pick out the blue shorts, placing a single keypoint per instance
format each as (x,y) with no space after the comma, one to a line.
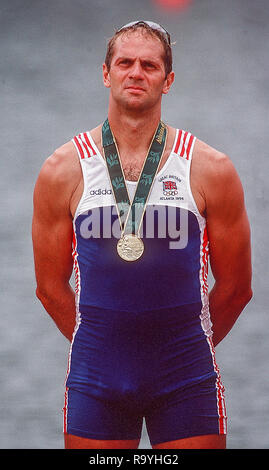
(156,365)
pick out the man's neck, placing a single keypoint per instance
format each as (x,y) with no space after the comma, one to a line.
(133,132)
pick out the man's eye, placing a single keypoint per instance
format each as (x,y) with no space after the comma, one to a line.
(149,65)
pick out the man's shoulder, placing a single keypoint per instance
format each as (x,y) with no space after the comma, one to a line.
(62,164)
(210,161)
(215,174)
(208,154)
(62,161)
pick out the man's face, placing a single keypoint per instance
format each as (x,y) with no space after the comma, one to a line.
(137,72)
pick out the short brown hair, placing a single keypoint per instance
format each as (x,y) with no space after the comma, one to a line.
(167,57)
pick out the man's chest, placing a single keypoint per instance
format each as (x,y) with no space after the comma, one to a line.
(132,166)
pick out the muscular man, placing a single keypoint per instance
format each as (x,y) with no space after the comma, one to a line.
(142,332)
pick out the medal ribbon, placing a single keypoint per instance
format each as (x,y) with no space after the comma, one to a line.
(131,215)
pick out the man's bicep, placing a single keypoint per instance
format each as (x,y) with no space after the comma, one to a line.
(229,231)
(52,251)
(230,253)
(52,236)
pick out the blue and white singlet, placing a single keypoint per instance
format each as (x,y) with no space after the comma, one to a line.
(143,329)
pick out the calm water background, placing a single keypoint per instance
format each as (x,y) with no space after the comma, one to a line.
(51,88)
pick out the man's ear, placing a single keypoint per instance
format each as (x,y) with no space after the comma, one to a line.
(168,82)
(106,77)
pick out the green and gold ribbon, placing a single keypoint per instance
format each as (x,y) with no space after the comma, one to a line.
(131,214)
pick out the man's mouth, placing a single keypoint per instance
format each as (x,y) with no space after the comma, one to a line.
(135,89)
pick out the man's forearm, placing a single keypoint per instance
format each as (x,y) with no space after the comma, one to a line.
(60,305)
(225,307)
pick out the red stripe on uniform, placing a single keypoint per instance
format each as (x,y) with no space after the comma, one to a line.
(65,410)
(205,261)
(183,145)
(89,144)
(220,393)
(189,146)
(178,141)
(85,146)
(79,147)
(75,264)
(77,289)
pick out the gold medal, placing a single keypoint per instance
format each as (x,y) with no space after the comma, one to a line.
(130,247)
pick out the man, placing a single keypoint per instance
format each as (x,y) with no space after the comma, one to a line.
(138,322)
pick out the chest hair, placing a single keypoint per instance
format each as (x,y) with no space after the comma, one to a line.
(132,171)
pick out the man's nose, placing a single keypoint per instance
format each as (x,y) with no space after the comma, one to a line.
(136,71)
